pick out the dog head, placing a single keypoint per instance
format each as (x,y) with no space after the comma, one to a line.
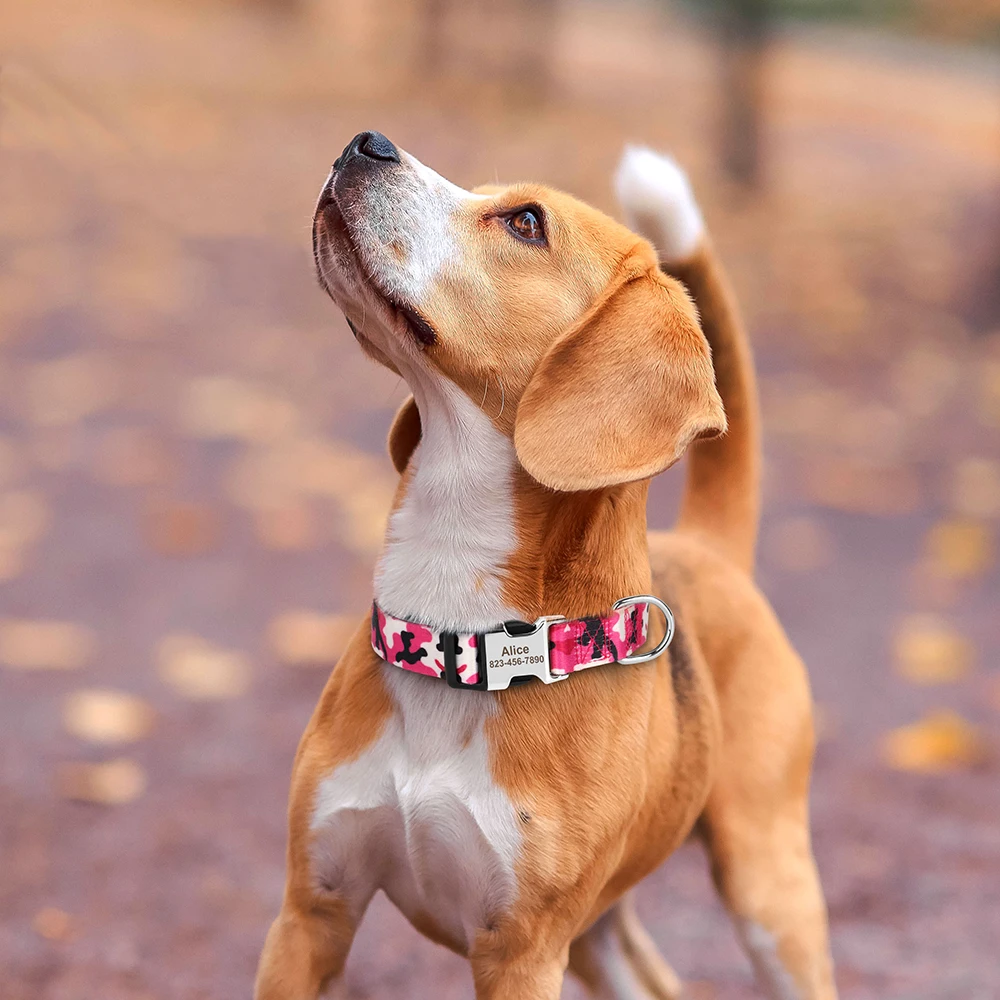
(552,317)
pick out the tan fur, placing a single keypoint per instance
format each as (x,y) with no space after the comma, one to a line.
(722,494)
(714,737)
(583,425)
(404,434)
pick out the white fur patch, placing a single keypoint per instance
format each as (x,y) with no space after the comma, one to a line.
(762,948)
(415,215)
(419,816)
(448,542)
(658,202)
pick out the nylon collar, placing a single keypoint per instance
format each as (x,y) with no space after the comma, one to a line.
(550,648)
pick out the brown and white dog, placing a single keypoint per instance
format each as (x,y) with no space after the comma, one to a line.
(554,368)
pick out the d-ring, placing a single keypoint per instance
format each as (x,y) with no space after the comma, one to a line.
(668,616)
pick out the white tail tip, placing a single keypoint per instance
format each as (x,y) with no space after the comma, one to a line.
(658,202)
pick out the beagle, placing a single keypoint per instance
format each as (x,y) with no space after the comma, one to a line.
(557,361)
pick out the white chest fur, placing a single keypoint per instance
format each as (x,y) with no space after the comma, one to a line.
(418,814)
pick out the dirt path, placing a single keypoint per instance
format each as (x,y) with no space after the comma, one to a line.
(184,422)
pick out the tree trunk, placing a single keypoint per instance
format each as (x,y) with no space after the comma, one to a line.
(744,31)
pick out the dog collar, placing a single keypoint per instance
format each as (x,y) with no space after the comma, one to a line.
(550,648)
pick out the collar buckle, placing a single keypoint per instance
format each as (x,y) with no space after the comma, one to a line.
(516,651)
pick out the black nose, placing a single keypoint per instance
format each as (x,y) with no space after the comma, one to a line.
(372,145)
(378,147)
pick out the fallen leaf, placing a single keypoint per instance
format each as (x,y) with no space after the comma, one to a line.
(115,782)
(140,274)
(871,430)
(53,924)
(861,487)
(801,544)
(221,407)
(929,651)
(201,671)
(24,517)
(11,561)
(264,479)
(27,644)
(700,989)
(69,388)
(365,510)
(941,741)
(975,488)
(133,456)
(36,262)
(309,637)
(181,529)
(959,548)
(105,716)
(288,528)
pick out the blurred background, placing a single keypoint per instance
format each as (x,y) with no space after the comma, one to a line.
(192,473)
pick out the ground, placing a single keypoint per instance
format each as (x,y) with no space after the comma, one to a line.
(193,482)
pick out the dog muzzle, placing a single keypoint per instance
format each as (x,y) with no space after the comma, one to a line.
(550,648)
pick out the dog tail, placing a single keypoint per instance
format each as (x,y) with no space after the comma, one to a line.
(722,492)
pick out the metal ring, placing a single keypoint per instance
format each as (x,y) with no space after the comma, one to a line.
(668,616)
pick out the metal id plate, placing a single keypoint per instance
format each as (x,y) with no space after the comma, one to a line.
(510,656)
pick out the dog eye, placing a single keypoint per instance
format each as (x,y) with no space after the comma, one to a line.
(526,225)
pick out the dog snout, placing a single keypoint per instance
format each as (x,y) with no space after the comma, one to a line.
(325,196)
(365,150)
(368,146)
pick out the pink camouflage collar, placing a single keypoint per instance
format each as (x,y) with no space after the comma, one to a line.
(550,649)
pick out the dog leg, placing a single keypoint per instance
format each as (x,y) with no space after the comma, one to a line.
(530,976)
(757,829)
(617,960)
(305,952)
(773,894)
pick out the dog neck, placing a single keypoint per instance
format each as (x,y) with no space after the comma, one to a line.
(453,527)
(474,541)
(578,553)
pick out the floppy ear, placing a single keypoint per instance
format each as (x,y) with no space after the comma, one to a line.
(620,396)
(404,434)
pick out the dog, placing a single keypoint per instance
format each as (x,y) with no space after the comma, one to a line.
(557,361)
